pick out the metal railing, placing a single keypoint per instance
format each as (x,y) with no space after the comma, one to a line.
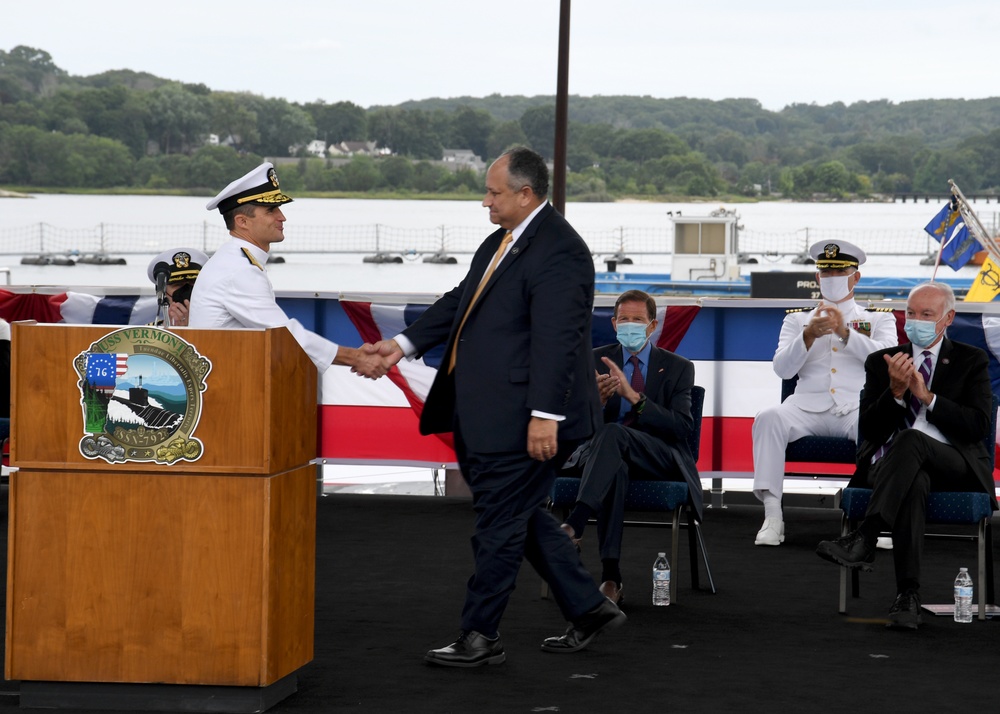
(112,239)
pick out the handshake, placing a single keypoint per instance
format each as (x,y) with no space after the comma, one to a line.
(375,360)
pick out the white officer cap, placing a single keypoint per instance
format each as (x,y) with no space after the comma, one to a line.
(836,254)
(259,187)
(180,263)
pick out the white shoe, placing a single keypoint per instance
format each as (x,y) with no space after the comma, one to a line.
(771,533)
(884,543)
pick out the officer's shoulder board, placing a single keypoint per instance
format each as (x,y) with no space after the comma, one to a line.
(878,309)
(249,256)
(800,309)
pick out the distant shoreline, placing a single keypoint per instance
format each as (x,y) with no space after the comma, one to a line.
(25,191)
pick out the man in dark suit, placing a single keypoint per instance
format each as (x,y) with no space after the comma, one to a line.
(646,393)
(516,387)
(925,411)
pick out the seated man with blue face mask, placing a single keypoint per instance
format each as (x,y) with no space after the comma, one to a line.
(646,394)
(924,415)
(826,347)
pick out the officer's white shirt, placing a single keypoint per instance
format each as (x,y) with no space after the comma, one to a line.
(831,372)
(232,291)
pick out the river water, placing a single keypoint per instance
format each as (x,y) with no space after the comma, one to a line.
(892,228)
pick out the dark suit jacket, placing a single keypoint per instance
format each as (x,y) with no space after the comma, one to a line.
(961,381)
(525,346)
(667,414)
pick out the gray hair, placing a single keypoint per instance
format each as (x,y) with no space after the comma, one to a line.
(943,288)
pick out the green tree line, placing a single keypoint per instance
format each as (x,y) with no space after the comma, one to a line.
(125,129)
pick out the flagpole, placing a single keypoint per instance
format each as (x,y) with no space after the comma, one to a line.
(972,221)
(985,285)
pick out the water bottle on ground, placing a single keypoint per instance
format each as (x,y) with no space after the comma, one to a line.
(661,580)
(963,596)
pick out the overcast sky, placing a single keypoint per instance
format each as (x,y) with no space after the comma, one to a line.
(388,51)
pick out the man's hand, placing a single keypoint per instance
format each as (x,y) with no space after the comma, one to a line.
(827,320)
(178,313)
(902,373)
(388,349)
(372,361)
(542,438)
(606,386)
(624,388)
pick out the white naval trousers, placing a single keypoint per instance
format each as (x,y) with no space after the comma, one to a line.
(775,427)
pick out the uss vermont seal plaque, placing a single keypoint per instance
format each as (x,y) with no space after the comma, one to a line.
(141,394)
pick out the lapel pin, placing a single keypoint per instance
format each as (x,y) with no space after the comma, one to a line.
(946,361)
(513,251)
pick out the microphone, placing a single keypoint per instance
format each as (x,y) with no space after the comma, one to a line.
(161,272)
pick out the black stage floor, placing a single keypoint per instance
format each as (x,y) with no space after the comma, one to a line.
(390,579)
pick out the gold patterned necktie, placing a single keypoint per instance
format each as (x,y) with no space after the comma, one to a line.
(508,237)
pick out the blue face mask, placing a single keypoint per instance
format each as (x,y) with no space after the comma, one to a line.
(632,335)
(922,333)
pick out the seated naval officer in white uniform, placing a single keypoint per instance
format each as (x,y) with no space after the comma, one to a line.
(826,347)
(174,272)
(233,289)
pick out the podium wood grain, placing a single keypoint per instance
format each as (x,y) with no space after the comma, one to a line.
(196,573)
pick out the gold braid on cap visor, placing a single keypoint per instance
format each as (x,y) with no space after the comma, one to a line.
(179,275)
(275,196)
(835,264)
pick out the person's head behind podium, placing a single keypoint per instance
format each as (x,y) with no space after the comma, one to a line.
(251,207)
(178,268)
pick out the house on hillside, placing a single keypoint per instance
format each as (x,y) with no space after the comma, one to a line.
(357,148)
(316,147)
(455,159)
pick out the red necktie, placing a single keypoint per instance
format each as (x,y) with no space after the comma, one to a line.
(638,384)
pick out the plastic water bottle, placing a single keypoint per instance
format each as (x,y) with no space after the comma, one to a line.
(963,596)
(661,580)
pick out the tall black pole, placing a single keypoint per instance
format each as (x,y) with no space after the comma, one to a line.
(562,93)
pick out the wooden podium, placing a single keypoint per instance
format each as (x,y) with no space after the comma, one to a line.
(138,582)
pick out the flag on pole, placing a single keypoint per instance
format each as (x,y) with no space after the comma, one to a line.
(986,286)
(948,228)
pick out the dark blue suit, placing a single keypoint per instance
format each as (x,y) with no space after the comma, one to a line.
(525,346)
(915,463)
(653,448)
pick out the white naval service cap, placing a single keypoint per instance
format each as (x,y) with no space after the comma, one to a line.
(259,187)
(180,263)
(833,255)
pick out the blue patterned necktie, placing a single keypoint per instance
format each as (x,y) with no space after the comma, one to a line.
(915,404)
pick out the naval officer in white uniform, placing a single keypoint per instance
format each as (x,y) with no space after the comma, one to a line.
(233,289)
(826,347)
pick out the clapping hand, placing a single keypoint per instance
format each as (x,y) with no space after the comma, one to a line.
(622,387)
(903,375)
(606,386)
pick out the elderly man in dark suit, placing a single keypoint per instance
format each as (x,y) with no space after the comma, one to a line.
(517,388)
(925,411)
(646,393)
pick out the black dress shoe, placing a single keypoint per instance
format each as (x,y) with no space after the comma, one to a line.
(605,616)
(471,649)
(850,550)
(905,611)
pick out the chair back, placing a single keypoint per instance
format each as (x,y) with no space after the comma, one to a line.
(991,438)
(697,407)
(788,387)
